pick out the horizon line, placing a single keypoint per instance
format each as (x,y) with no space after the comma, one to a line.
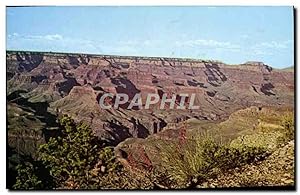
(144,57)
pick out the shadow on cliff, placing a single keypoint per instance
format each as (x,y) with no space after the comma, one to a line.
(28,62)
(123,85)
(119,132)
(39,109)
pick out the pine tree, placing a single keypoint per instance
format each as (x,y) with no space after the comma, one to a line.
(72,155)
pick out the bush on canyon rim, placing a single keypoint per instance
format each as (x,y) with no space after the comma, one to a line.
(288,127)
(185,163)
(72,154)
(74,160)
(201,158)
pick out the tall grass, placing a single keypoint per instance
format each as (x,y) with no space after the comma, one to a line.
(202,157)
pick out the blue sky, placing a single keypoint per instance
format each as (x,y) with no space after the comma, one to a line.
(229,34)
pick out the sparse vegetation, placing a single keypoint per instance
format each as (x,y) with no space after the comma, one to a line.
(76,159)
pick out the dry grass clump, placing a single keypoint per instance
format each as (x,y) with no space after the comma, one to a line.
(202,157)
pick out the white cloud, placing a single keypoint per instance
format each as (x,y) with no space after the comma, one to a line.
(132,47)
(274,44)
(214,44)
(53,37)
(49,37)
(57,42)
(260,52)
(138,43)
(182,47)
(270,48)
(52,42)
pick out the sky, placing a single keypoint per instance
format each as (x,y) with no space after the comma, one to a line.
(233,35)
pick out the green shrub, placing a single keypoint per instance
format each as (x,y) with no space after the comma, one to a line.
(288,127)
(75,158)
(265,140)
(186,163)
(27,178)
(71,155)
(203,158)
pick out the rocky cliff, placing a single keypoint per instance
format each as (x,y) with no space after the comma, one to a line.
(73,83)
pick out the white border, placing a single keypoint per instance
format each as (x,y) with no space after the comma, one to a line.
(4,3)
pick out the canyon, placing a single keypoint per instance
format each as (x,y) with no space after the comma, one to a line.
(44,85)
